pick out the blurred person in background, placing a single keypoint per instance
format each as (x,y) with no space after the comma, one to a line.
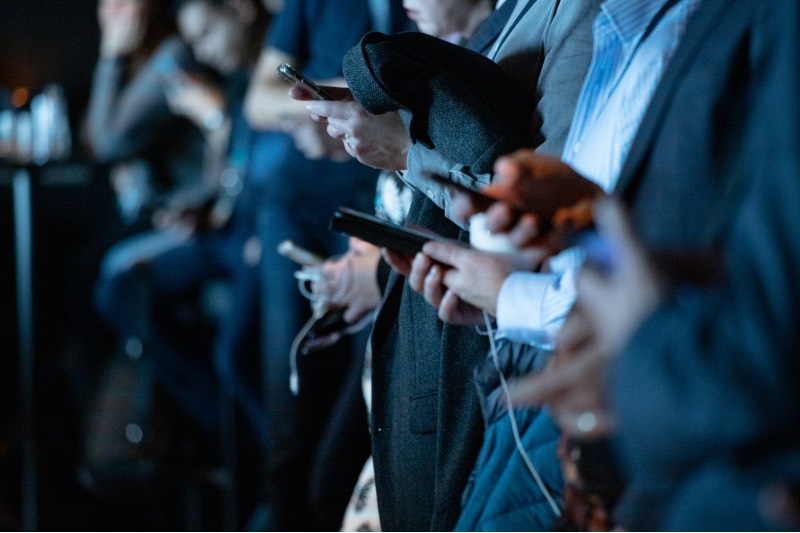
(212,230)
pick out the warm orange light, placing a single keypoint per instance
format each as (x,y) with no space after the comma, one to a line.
(19,97)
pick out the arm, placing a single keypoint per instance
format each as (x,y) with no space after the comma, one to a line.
(123,120)
(267,104)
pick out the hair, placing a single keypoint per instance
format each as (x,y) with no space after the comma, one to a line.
(160,23)
(255,30)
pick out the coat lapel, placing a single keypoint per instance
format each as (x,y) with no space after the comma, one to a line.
(696,35)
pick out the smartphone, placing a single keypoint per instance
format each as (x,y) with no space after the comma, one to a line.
(289,74)
(299,255)
(382,233)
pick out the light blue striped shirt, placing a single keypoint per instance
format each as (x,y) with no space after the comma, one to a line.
(633,44)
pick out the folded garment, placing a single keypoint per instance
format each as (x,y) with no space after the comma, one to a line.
(453,100)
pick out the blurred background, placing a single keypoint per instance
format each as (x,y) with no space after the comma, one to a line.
(44,42)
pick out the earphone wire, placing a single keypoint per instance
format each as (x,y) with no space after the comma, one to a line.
(512,418)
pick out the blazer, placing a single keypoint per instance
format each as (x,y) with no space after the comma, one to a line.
(714,170)
(426,423)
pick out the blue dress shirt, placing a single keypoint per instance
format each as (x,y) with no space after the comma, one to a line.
(634,41)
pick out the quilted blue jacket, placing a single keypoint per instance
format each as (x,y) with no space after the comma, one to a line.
(502,494)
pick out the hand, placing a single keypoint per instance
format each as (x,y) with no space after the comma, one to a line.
(378,141)
(195,98)
(311,139)
(615,303)
(122,29)
(470,275)
(521,229)
(531,182)
(534,192)
(427,278)
(609,307)
(350,281)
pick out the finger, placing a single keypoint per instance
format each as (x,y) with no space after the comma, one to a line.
(434,290)
(400,262)
(500,217)
(297,93)
(336,130)
(330,109)
(525,232)
(447,253)
(465,205)
(452,311)
(507,169)
(420,268)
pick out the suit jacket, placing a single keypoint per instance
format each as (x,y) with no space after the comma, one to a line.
(714,169)
(426,423)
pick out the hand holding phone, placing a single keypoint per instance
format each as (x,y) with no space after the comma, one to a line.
(291,75)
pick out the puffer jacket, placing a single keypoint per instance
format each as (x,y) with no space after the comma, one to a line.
(502,494)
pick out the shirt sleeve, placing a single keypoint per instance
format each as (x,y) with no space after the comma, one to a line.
(288,33)
(422,160)
(531,307)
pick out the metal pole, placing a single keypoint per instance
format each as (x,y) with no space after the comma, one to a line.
(24,264)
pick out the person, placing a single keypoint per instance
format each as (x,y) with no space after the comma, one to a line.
(225,36)
(149,152)
(671,332)
(358,269)
(422,372)
(554,185)
(128,122)
(300,191)
(152,154)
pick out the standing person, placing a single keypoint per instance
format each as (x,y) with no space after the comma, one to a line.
(298,198)
(426,424)
(225,35)
(451,20)
(683,347)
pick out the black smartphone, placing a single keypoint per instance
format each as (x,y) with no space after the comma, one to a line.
(289,74)
(381,232)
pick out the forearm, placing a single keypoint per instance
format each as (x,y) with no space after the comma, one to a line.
(125,120)
(267,104)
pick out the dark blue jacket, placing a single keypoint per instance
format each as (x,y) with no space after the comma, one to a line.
(502,494)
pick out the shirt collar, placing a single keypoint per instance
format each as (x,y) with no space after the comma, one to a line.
(630,18)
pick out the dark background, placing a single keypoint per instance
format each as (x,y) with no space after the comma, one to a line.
(42,42)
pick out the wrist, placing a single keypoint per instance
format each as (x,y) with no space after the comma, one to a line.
(213,120)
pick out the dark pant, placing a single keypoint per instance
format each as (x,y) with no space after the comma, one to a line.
(130,291)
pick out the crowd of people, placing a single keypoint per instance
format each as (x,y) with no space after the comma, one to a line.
(602,335)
